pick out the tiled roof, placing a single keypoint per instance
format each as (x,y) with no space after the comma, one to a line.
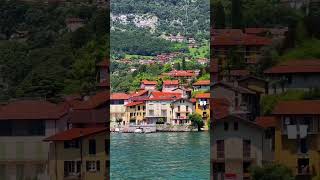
(240,39)
(202,83)
(301,107)
(255,30)
(296,66)
(146,82)
(134,104)
(164,96)
(234,88)
(202,96)
(117,96)
(181,73)
(171,82)
(32,109)
(75,133)
(93,101)
(266,121)
(104,63)
(239,72)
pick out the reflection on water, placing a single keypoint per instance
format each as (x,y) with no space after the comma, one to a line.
(160,156)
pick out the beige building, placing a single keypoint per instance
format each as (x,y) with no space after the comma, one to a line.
(135,113)
(79,153)
(181,109)
(118,108)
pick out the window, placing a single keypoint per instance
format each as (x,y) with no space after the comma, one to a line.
(72,168)
(178,108)
(151,112)
(246,148)
(106,146)
(187,108)
(226,126)
(71,144)
(20,171)
(92,146)
(22,128)
(163,112)
(236,126)
(220,148)
(138,108)
(91,166)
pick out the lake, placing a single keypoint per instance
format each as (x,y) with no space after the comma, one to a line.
(160,156)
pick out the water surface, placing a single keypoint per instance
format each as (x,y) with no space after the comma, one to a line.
(160,156)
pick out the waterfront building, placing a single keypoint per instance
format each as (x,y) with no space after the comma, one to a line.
(181,109)
(158,107)
(135,113)
(148,85)
(170,85)
(117,109)
(293,75)
(201,85)
(297,136)
(79,153)
(23,126)
(203,106)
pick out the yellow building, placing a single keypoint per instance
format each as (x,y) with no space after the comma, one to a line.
(135,113)
(79,154)
(203,106)
(297,136)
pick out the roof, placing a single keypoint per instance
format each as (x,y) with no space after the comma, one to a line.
(171,82)
(251,77)
(75,133)
(220,107)
(104,63)
(296,66)
(239,72)
(230,86)
(134,103)
(299,107)
(32,109)
(202,83)
(119,96)
(93,101)
(266,121)
(255,30)
(202,96)
(181,73)
(158,96)
(146,82)
(228,39)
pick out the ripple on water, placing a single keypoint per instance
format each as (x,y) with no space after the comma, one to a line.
(158,156)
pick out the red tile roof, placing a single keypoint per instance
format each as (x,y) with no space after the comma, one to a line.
(134,104)
(202,83)
(181,73)
(158,96)
(170,82)
(296,66)
(146,82)
(266,121)
(240,40)
(117,96)
(32,109)
(75,133)
(299,107)
(255,30)
(239,72)
(104,63)
(93,101)
(202,96)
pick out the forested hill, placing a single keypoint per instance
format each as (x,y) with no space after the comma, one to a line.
(188,17)
(40,57)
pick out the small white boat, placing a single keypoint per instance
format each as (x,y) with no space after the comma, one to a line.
(116,130)
(138,131)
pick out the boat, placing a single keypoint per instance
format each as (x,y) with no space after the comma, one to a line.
(138,131)
(116,130)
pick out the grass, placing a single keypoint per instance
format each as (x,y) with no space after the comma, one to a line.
(200,52)
(309,49)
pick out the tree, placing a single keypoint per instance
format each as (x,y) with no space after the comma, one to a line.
(273,171)
(236,14)
(183,64)
(196,120)
(219,16)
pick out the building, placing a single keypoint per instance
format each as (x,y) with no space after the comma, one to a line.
(79,153)
(117,109)
(237,144)
(203,106)
(158,107)
(148,85)
(243,101)
(236,74)
(254,83)
(181,108)
(135,113)
(170,85)
(297,136)
(186,92)
(182,75)
(201,85)
(23,126)
(103,75)
(294,75)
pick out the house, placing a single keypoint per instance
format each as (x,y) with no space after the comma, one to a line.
(201,85)
(181,108)
(158,107)
(23,126)
(169,85)
(117,108)
(203,106)
(74,23)
(103,74)
(135,113)
(148,85)
(79,153)
(182,75)
(237,145)
(294,75)
(93,111)
(186,92)
(297,136)
(203,61)
(243,101)
(254,83)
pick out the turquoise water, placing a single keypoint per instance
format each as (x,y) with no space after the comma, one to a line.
(158,156)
